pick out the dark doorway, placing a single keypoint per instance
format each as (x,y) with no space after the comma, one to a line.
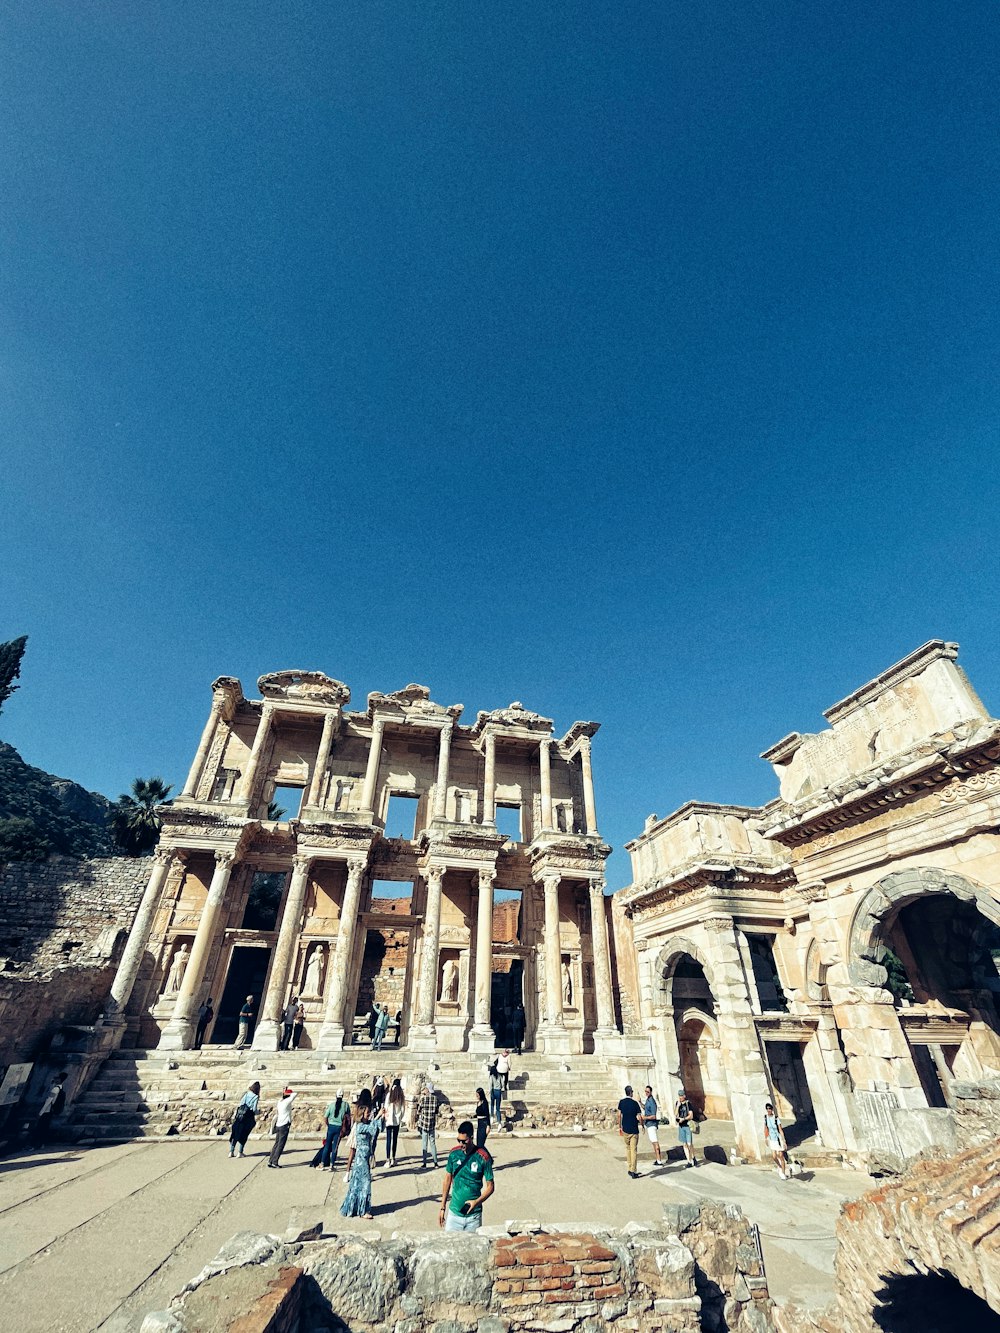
(792,1098)
(931,1303)
(506,993)
(246,976)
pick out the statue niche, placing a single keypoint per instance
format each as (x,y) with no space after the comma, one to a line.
(449,982)
(312,984)
(178,966)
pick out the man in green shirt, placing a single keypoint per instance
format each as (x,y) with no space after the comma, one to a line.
(468,1182)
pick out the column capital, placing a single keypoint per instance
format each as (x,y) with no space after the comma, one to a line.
(163,856)
(486,878)
(434,874)
(225,857)
(551,879)
(355,867)
(301,862)
(597,886)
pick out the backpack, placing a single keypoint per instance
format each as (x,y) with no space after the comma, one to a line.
(684,1112)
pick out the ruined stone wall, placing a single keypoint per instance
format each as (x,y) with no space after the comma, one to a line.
(645,1280)
(34,1008)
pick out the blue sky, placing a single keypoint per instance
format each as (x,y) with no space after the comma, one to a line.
(636,362)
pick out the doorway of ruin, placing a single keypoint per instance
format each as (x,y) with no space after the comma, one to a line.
(383,980)
(506,993)
(246,975)
(790,1090)
(933,1302)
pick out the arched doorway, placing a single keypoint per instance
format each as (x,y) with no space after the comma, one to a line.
(933,1303)
(700,1067)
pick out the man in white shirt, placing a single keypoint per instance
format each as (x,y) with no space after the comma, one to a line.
(282,1124)
(503,1069)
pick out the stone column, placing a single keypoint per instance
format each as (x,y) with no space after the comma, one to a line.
(422,1031)
(333,1035)
(554,1034)
(322,759)
(371,772)
(588,785)
(178,1033)
(490,780)
(546,783)
(138,938)
(441,784)
(606,1028)
(207,736)
(482,1037)
(267,1035)
(248,788)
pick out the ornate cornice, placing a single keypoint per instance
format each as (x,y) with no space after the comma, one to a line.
(307,687)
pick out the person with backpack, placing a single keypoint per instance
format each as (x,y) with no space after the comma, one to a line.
(496,1093)
(244,1119)
(394,1110)
(629,1114)
(53,1105)
(774,1139)
(338,1125)
(468,1183)
(684,1116)
(651,1121)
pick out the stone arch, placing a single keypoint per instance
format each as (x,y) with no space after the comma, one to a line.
(666,964)
(889,895)
(815,972)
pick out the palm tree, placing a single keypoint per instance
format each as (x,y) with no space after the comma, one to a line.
(275,811)
(135,820)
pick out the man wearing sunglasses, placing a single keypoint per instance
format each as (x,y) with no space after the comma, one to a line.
(468,1182)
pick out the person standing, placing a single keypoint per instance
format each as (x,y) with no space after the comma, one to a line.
(427,1110)
(335,1116)
(205,1015)
(288,1022)
(517,1026)
(381,1027)
(482,1118)
(246,1018)
(358,1199)
(298,1023)
(468,1183)
(503,1069)
(774,1138)
(53,1105)
(629,1114)
(244,1120)
(398,1020)
(684,1116)
(395,1110)
(651,1121)
(373,1013)
(282,1124)
(496,1093)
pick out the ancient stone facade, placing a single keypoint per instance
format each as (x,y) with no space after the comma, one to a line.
(318,903)
(836,950)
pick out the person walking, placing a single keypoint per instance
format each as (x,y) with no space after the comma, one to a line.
(282,1124)
(651,1121)
(395,1111)
(481,1115)
(517,1026)
(427,1111)
(496,1093)
(205,1015)
(503,1069)
(288,1022)
(244,1119)
(468,1183)
(246,1018)
(358,1199)
(629,1114)
(684,1116)
(337,1117)
(381,1027)
(53,1105)
(298,1024)
(774,1139)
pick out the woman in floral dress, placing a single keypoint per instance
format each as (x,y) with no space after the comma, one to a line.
(358,1200)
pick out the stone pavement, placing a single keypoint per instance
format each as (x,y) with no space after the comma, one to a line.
(93,1238)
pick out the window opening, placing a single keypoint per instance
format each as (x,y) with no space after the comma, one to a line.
(263,900)
(344,792)
(508,822)
(285,803)
(225,784)
(401,816)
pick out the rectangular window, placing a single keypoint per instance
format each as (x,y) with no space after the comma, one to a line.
(263,900)
(225,784)
(401,816)
(345,790)
(509,822)
(285,803)
(463,807)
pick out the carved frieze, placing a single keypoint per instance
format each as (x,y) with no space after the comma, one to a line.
(514,715)
(413,703)
(311,687)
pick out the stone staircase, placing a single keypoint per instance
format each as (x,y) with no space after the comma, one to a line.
(152,1093)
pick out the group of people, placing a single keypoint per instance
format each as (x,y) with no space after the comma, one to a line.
(631,1114)
(381,1112)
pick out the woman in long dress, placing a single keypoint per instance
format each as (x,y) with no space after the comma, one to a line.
(244,1120)
(358,1200)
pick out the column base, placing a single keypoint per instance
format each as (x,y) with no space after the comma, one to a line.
(482,1039)
(267,1036)
(423,1037)
(607,1041)
(332,1037)
(554,1040)
(178,1035)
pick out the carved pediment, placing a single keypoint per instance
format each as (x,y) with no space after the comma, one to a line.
(514,715)
(304,686)
(415,703)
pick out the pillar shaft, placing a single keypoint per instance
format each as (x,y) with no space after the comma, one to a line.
(138,936)
(332,1033)
(602,957)
(322,759)
(178,1032)
(268,1031)
(545,775)
(484,949)
(427,985)
(490,780)
(371,772)
(248,790)
(204,745)
(441,785)
(553,953)
(588,785)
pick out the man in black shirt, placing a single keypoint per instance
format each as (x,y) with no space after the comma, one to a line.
(629,1113)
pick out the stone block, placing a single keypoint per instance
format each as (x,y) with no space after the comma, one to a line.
(360,1279)
(303,1224)
(452,1268)
(677,1217)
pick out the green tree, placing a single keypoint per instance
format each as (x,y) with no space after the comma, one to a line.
(135,819)
(275,811)
(897,982)
(10,666)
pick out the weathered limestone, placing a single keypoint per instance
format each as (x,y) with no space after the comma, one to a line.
(138,937)
(178,1033)
(333,1036)
(422,1033)
(268,1034)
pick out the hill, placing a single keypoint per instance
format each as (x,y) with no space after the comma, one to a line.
(40,813)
